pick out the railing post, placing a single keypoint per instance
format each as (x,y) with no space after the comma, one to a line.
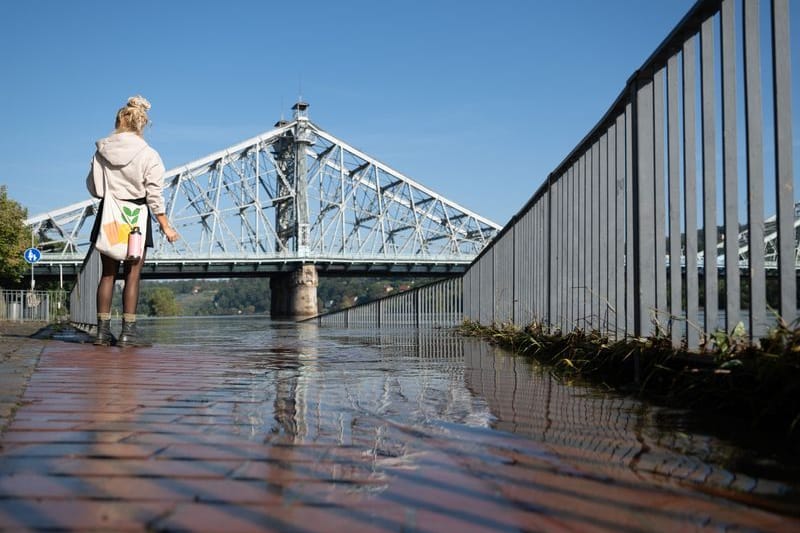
(784,181)
(754,132)
(730,188)
(418,307)
(643,204)
(707,88)
(514,295)
(550,232)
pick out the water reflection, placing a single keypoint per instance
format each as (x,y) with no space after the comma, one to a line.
(608,432)
(389,394)
(585,427)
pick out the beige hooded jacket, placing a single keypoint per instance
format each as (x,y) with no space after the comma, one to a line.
(134,170)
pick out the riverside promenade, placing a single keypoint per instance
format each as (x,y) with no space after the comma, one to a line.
(162,439)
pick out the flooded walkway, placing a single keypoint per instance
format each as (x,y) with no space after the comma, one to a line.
(248,425)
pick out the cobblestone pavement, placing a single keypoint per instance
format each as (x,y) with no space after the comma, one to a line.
(19,354)
(152,440)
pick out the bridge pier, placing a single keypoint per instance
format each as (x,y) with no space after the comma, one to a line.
(294,295)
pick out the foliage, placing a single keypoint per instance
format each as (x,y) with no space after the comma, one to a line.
(242,296)
(14,239)
(729,344)
(161,302)
(340,293)
(759,383)
(252,295)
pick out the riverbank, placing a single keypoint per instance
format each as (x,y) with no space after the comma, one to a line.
(758,385)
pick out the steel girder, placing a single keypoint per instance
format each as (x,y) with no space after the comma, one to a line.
(771,242)
(770,231)
(243,202)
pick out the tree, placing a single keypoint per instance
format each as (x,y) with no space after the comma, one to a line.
(246,296)
(13,239)
(162,303)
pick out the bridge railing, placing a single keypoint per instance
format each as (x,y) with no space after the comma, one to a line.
(437,304)
(32,306)
(649,185)
(83,298)
(165,255)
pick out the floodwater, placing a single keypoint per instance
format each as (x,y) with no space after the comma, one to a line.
(406,394)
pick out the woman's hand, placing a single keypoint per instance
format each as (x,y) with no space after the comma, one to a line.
(168,231)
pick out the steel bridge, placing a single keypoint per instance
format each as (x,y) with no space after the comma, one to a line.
(771,252)
(294,195)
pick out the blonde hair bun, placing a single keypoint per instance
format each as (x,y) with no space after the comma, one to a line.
(133,116)
(139,102)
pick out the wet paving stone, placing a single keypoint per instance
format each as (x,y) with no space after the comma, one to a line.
(330,430)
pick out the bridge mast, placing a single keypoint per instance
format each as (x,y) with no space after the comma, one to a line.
(294,294)
(303,139)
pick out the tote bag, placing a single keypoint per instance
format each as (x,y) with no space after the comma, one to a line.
(116,222)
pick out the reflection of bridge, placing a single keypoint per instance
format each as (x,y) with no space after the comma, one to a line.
(290,197)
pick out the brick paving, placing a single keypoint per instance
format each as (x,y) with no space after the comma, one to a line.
(148,439)
(18,356)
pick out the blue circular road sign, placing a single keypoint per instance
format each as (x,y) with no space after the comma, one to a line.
(32,255)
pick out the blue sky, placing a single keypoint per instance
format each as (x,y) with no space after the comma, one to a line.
(478,101)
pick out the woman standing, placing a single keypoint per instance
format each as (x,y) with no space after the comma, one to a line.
(134,172)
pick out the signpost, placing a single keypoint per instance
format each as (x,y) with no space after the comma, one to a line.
(32,256)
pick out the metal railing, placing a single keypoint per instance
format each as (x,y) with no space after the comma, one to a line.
(591,248)
(436,304)
(32,306)
(83,298)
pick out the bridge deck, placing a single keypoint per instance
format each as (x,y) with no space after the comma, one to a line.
(242,268)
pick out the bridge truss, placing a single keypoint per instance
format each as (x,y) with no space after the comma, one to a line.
(294,193)
(771,249)
(298,194)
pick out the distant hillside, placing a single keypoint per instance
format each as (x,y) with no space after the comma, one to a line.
(252,296)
